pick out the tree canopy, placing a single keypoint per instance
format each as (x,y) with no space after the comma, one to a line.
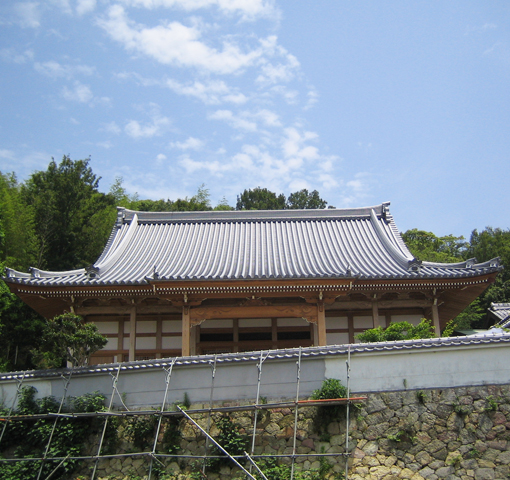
(67,338)
(263,199)
(398,331)
(72,217)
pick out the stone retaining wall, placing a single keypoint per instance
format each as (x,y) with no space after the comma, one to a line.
(453,434)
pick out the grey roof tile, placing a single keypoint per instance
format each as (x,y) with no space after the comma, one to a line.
(359,243)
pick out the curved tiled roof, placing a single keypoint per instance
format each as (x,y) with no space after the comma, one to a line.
(502,312)
(361,243)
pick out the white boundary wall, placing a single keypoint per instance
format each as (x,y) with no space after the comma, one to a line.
(422,364)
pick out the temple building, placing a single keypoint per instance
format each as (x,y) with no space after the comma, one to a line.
(189,283)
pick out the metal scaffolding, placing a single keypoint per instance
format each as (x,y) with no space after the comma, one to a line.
(152,456)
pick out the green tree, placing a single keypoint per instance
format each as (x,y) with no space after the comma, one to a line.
(428,247)
(20,331)
(73,219)
(260,199)
(304,199)
(398,331)
(67,338)
(485,245)
(18,246)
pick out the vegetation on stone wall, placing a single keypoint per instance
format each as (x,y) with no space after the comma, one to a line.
(29,438)
(437,433)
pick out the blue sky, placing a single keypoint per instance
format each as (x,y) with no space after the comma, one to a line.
(401,101)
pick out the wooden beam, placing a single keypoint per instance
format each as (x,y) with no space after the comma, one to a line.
(186,331)
(375,312)
(200,314)
(132,334)
(435,318)
(321,324)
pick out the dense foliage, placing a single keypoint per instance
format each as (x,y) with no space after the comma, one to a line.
(484,245)
(30,438)
(67,338)
(398,331)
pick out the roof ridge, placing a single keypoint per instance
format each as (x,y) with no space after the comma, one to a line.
(126,215)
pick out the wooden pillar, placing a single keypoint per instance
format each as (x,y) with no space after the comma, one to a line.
(132,334)
(235,335)
(193,341)
(120,342)
(274,332)
(159,337)
(321,324)
(375,312)
(350,323)
(435,318)
(186,331)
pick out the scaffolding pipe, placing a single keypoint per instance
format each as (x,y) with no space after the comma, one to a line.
(62,400)
(259,368)
(216,443)
(347,411)
(296,407)
(253,464)
(213,366)
(114,382)
(18,388)
(167,381)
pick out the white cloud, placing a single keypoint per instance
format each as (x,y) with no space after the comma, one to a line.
(246,8)
(79,93)
(160,159)
(313,97)
(24,164)
(28,14)
(269,118)
(273,73)
(192,166)
(190,144)
(212,92)
(290,96)
(106,144)
(328,181)
(54,69)
(158,125)
(10,55)
(7,154)
(111,127)
(176,44)
(235,121)
(293,145)
(85,6)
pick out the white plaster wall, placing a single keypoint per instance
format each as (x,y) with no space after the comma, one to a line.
(171,343)
(147,326)
(171,326)
(374,371)
(337,322)
(111,344)
(365,321)
(107,327)
(443,367)
(337,338)
(145,343)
